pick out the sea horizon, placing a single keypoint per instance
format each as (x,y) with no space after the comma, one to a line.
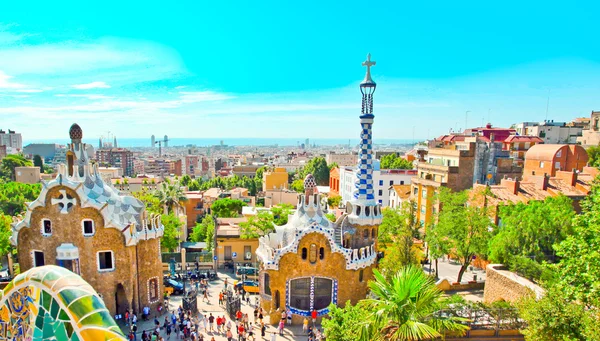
(237,141)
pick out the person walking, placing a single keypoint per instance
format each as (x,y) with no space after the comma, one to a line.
(305,325)
(281,326)
(211,322)
(263,330)
(274,336)
(229,335)
(206,296)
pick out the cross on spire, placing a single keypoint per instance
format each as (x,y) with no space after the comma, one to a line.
(63,202)
(368,63)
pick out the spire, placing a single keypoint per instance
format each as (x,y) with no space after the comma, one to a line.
(365,210)
(115,143)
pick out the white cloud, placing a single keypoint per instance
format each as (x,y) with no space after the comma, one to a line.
(202,96)
(92,85)
(88,96)
(6,83)
(30,90)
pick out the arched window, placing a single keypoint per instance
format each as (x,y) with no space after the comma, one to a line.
(267,284)
(360,275)
(367,211)
(153,289)
(357,210)
(313,253)
(366,234)
(276,300)
(304,253)
(321,253)
(373,233)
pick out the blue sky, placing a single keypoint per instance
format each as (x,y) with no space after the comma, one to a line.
(291,69)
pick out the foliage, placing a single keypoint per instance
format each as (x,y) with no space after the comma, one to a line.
(391,161)
(8,164)
(529,269)
(210,234)
(555,318)
(38,162)
(14,195)
(5,233)
(594,156)
(531,229)
(332,166)
(185,180)
(406,308)
(318,168)
(330,217)
(252,184)
(400,253)
(227,208)
(263,223)
(150,200)
(298,185)
(343,324)
(397,222)
(200,231)
(334,201)
(170,238)
(170,195)
(465,227)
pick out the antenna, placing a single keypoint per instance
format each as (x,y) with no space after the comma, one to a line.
(466,117)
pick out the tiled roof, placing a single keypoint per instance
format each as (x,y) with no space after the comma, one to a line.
(402,191)
(523,138)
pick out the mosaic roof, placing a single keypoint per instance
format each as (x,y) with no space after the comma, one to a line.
(52,303)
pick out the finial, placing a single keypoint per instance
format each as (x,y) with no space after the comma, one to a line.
(75,133)
(368,63)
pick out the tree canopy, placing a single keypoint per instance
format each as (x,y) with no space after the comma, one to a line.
(466,228)
(391,161)
(204,231)
(170,195)
(14,195)
(170,239)
(252,184)
(318,168)
(594,156)
(227,208)
(5,233)
(263,223)
(8,165)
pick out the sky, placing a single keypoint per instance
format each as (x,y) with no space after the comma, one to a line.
(292,68)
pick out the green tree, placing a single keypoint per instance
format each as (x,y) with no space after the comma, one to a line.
(185,180)
(332,166)
(330,217)
(407,307)
(257,226)
(14,195)
(281,213)
(436,245)
(594,156)
(318,168)
(170,195)
(227,208)
(398,222)
(391,161)
(210,235)
(343,324)
(8,165)
(150,200)
(298,185)
(170,238)
(5,233)
(466,227)
(38,162)
(334,201)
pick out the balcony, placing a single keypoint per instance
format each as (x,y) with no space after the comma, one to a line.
(428,167)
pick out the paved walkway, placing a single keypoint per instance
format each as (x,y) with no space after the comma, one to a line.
(215,286)
(449,270)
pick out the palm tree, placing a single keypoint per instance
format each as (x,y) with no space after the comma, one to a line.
(407,308)
(170,195)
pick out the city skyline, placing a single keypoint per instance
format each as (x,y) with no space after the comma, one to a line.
(258,70)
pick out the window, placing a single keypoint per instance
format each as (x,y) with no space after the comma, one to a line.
(380,182)
(424,194)
(380,192)
(307,294)
(88,227)
(313,253)
(46,227)
(267,284)
(391,182)
(153,289)
(415,191)
(300,293)
(247,252)
(557,165)
(321,253)
(360,276)
(401,182)
(105,261)
(380,202)
(541,164)
(227,253)
(277,300)
(323,290)
(366,234)
(373,233)
(304,253)
(38,258)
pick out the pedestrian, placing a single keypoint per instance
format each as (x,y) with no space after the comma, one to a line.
(281,326)
(204,323)
(211,320)
(250,332)
(284,316)
(289,317)
(305,325)
(134,318)
(260,316)
(221,298)
(219,324)
(274,336)
(238,315)
(228,325)
(263,330)
(313,314)
(206,296)
(168,329)
(127,317)
(255,315)
(229,335)
(134,330)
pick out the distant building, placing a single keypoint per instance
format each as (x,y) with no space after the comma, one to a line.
(194,207)
(138,167)
(3,152)
(342,160)
(27,175)
(116,157)
(248,171)
(591,134)
(500,134)
(550,132)
(546,159)
(382,180)
(152,141)
(334,181)
(166,141)
(191,164)
(12,140)
(230,247)
(276,179)
(518,145)
(398,195)
(46,150)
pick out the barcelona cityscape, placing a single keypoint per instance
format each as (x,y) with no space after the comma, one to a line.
(341,171)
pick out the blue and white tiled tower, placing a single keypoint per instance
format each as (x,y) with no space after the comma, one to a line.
(364,210)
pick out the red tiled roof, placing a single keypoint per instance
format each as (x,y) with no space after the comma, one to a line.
(523,138)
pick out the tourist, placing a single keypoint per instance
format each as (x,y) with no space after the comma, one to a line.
(250,333)
(281,326)
(283,317)
(238,315)
(211,322)
(134,318)
(229,335)
(228,325)
(168,329)
(260,316)
(219,324)
(305,325)
(241,332)
(274,336)
(263,330)
(206,296)
(204,320)
(255,315)
(289,317)
(127,317)
(221,298)
(134,330)
(313,314)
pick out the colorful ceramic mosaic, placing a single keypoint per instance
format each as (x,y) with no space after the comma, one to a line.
(52,303)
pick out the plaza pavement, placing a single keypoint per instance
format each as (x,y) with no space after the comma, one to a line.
(214,287)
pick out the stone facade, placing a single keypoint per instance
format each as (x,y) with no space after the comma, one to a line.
(77,218)
(503,285)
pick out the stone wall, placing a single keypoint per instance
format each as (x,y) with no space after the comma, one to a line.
(503,285)
(333,265)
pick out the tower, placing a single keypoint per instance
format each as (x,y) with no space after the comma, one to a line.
(115,143)
(152,141)
(100,143)
(363,209)
(166,141)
